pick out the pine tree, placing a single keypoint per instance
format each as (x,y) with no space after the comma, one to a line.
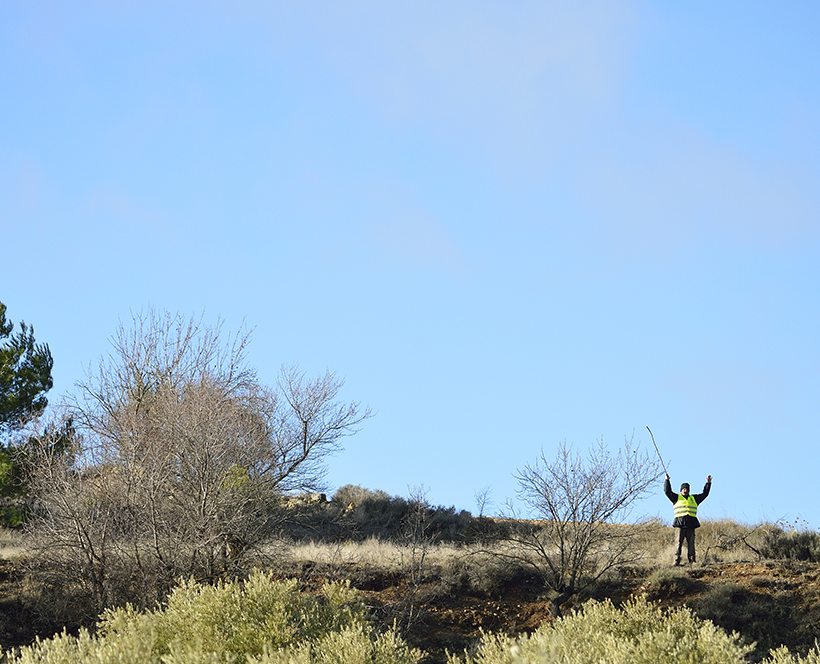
(25,377)
(25,374)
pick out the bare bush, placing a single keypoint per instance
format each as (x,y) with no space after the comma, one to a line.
(582,505)
(418,540)
(179,456)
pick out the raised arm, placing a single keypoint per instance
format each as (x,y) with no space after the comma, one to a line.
(706,488)
(667,489)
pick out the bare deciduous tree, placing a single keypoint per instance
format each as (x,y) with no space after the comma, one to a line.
(483,499)
(582,505)
(180,454)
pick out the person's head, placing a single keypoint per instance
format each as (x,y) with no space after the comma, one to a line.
(684,489)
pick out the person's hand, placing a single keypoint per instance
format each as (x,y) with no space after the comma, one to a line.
(709,479)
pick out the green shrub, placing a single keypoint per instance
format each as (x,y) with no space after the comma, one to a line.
(801,545)
(783,656)
(765,620)
(353,494)
(261,620)
(598,633)
(638,633)
(12,508)
(352,645)
(358,514)
(666,582)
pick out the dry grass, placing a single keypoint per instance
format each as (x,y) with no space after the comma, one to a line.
(481,567)
(11,543)
(716,541)
(393,557)
(721,540)
(374,553)
(728,541)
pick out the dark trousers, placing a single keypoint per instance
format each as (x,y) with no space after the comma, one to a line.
(687,534)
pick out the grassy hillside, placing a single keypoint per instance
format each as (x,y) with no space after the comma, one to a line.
(439,578)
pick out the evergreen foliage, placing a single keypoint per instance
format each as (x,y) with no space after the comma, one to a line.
(25,374)
(25,377)
(15,464)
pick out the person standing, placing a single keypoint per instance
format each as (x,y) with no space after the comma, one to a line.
(686,515)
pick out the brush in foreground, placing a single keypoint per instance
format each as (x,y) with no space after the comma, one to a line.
(639,633)
(260,621)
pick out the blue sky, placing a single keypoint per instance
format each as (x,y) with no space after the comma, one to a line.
(505,224)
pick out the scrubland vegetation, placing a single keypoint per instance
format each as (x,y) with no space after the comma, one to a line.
(170,511)
(372,588)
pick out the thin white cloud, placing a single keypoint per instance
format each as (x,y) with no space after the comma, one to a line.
(400,232)
(415,238)
(424,58)
(534,95)
(21,193)
(730,394)
(114,205)
(529,93)
(514,86)
(674,189)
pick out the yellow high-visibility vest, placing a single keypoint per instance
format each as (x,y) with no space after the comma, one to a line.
(686,506)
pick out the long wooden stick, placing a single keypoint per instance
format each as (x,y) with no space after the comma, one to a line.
(657,450)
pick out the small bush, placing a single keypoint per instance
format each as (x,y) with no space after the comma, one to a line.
(638,633)
(353,494)
(12,515)
(357,514)
(803,545)
(667,582)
